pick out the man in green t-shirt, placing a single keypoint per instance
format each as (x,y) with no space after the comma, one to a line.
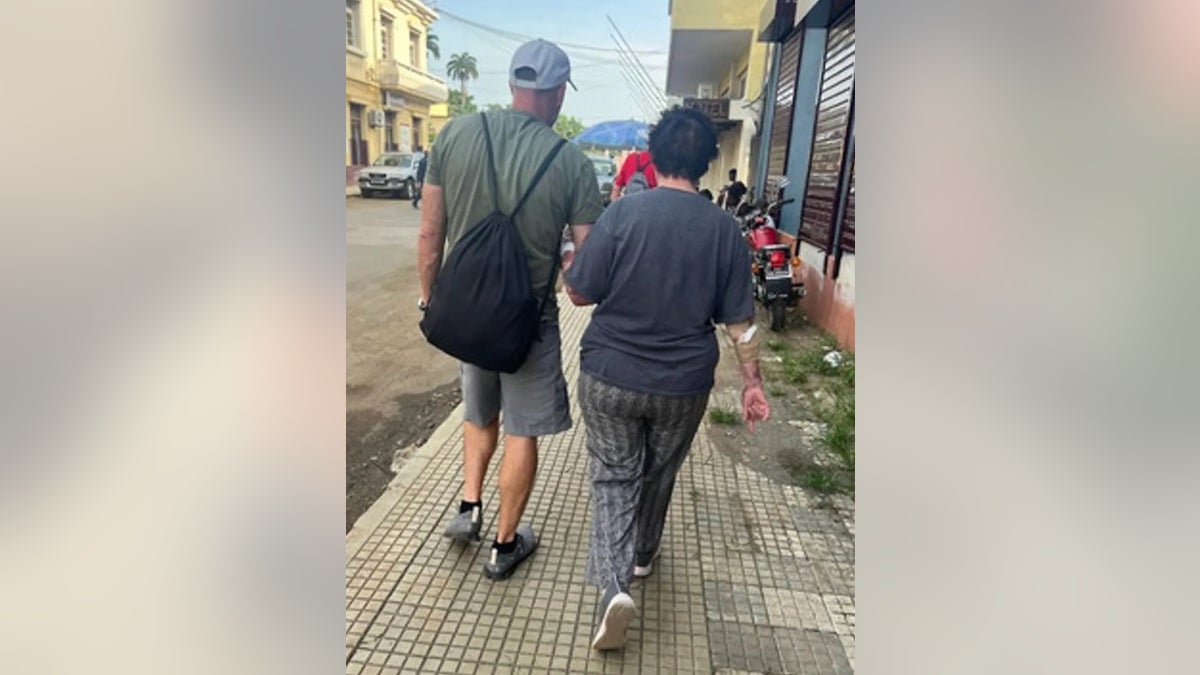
(456,196)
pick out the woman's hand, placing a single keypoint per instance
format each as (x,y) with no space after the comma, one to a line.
(754,405)
(576,299)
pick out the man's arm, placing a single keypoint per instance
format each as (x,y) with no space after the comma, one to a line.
(431,239)
(578,234)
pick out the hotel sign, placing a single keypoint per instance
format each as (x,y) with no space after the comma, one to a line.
(393,100)
(716,108)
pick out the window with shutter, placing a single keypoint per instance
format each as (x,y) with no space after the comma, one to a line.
(785,95)
(830,135)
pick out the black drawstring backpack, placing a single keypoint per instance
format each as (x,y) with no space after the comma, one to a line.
(482,309)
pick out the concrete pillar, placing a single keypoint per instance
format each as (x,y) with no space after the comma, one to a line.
(804,115)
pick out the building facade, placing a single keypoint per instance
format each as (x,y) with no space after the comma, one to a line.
(389,90)
(716,64)
(809,140)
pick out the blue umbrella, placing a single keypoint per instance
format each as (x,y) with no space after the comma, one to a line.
(615,134)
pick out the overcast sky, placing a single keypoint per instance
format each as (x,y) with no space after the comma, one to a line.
(603,93)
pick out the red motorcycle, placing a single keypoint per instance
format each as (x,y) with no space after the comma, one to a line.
(770,261)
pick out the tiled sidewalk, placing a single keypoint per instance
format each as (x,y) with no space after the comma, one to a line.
(769,588)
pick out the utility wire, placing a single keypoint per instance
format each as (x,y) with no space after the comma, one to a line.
(649,103)
(519,37)
(636,96)
(648,90)
(645,97)
(633,54)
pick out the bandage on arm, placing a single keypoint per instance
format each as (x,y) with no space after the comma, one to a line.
(746,344)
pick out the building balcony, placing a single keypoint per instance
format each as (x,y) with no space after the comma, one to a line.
(405,79)
(702,58)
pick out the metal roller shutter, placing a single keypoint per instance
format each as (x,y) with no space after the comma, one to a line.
(785,96)
(829,137)
(847,239)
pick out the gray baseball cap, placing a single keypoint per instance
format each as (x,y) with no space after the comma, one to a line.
(545,61)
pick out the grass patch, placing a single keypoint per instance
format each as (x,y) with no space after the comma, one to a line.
(821,481)
(839,432)
(724,417)
(806,367)
(809,370)
(839,419)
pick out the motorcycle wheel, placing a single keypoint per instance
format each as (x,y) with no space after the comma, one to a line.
(778,315)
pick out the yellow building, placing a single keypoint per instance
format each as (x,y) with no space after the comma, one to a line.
(439,114)
(716,62)
(389,90)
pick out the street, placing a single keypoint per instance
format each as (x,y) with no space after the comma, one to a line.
(398,388)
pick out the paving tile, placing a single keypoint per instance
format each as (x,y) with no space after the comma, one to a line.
(774,594)
(797,609)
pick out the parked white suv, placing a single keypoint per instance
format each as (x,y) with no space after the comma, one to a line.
(394,173)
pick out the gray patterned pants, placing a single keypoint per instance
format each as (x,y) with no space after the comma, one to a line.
(637,442)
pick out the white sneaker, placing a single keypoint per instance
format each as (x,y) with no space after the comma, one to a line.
(618,612)
(643,571)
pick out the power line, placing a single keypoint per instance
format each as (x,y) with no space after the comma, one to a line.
(632,54)
(647,88)
(647,95)
(636,96)
(520,37)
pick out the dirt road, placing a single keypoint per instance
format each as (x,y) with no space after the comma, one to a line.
(398,388)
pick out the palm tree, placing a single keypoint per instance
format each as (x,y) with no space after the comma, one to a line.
(431,45)
(461,67)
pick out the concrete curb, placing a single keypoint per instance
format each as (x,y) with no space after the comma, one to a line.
(369,521)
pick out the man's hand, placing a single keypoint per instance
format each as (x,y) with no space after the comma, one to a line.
(431,238)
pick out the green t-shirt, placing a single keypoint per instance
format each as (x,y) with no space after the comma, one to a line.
(567,194)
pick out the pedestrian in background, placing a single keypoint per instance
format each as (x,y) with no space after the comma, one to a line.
(662,267)
(733,192)
(481,165)
(636,175)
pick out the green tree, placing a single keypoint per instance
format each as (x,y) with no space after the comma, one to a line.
(494,107)
(462,67)
(568,127)
(431,45)
(460,105)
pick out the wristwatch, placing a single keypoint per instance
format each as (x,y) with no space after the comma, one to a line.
(422,305)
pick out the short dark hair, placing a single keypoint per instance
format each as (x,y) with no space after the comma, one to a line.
(682,143)
(706,193)
(732,173)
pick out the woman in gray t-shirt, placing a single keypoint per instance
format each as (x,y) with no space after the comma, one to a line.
(662,267)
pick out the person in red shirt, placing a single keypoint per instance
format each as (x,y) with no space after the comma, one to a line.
(634,162)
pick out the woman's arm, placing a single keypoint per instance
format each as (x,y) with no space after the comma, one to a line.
(746,344)
(589,273)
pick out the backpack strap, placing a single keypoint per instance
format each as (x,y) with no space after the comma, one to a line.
(491,163)
(557,250)
(537,177)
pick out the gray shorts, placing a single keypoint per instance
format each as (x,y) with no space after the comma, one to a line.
(533,399)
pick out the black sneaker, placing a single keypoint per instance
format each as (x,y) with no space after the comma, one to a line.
(466,525)
(616,612)
(502,565)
